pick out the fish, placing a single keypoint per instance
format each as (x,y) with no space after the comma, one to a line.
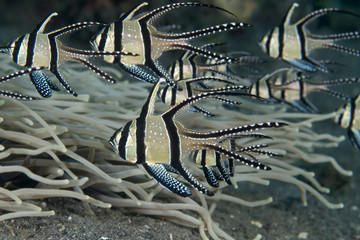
(135,32)
(39,51)
(293,42)
(187,67)
(350,120)
(292,86)
(160,142)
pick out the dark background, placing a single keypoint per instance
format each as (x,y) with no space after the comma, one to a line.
(283,219)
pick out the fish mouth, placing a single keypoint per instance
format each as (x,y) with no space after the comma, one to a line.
(113,146)
(5,49)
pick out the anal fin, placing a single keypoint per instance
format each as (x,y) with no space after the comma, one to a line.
(160,174)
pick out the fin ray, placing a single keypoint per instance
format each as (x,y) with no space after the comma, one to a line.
(343,49)
(16,95)
(19,73)
(163,9)
(63,82)
(321,12)
(234,131)
(74,27)
(97,71)
(206,31)
(243,160)
(191,179)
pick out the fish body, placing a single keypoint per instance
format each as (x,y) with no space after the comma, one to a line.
(136,32)
(39,50)
(293,42)
(160,142)
(291,86)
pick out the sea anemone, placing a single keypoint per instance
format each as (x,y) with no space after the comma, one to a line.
(58,148)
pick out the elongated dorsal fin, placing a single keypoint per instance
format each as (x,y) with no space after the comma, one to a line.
(131,13)
(41,27)
(163,9)
(321,12)
(289,13)
(206,78)
(215,92)
(74,27)
(149,105)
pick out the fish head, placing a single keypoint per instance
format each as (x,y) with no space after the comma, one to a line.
(123,142)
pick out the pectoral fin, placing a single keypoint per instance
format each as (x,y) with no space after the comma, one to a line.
(40,81)
(354,136)
(210,176)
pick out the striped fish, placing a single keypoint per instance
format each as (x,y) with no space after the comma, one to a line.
(350,120)
(291,86)
(293,43)
(159,141)
(39,51)
(138,35)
